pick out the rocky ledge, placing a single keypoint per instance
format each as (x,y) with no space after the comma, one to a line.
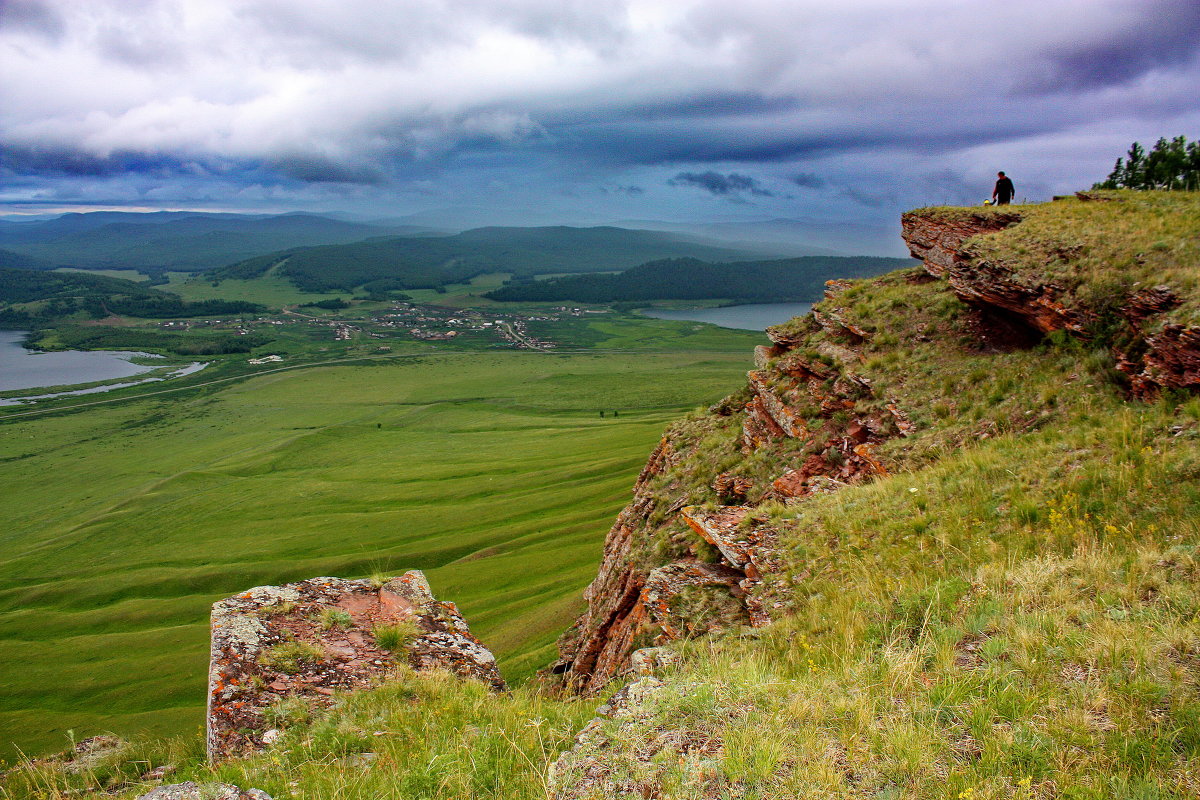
(823,423)
(1017,308)
(312,638)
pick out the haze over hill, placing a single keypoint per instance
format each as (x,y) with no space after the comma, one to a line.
(428,261)
(182,241)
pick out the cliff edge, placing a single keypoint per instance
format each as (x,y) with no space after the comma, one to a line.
(814,415)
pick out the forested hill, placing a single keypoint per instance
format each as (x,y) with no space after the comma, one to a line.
(181,241)
(11,260)
(690,279)
(31,297)
(430,261)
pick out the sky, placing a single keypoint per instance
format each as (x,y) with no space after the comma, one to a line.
(576,111)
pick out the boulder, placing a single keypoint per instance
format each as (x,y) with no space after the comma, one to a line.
(313,638)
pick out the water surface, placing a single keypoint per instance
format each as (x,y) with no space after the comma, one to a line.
(749,317)
(29,369)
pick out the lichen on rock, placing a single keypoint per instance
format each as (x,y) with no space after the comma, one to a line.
(315,637)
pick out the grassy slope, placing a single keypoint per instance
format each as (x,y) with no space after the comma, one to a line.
(493,472)
(1016,613)
(272,290)
(1100,251)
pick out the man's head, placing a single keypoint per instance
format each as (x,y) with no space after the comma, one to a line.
(999,174)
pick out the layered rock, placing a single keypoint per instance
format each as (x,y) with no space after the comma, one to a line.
(825,422)
(315,637)
(1155,354)
(941,244)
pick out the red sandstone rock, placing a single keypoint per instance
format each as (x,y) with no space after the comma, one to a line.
(938,243)
(776,406)
(1148,302)
(248,630)
(1172,359)
(665,583)
(836,325)
(758,427)
(1168,358)
(733,487)
(598,645)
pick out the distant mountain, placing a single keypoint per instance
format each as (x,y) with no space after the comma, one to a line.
(416,262)
(175,240)
(790,237)
(791,279)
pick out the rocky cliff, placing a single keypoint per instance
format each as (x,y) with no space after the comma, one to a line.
(690,553)
(1017,304)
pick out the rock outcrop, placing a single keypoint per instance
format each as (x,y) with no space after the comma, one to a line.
(315,637)
(1018,308)
(190,790)
(826,424)
(595,767)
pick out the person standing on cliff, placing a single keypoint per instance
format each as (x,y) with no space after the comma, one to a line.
(1002,195)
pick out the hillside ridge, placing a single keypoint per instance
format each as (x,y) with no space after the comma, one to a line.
(808,408)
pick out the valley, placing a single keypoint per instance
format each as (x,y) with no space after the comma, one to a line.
(492,471)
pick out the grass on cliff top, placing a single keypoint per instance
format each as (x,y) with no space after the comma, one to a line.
(1022,625)
(1100,250)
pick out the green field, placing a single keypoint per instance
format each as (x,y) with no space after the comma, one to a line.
(272,291)
(492,471)
(127,274)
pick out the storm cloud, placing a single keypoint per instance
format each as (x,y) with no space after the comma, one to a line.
(718,184)
(868,106)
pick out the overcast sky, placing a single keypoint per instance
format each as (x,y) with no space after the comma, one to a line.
(581,110)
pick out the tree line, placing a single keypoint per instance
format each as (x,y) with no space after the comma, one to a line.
(1170,164)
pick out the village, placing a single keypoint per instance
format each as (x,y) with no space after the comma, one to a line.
(403,319)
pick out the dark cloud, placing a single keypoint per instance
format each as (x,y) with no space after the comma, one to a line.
(51,160)
(808,180)
(1165,34)
(722,185)
(31,16)
(314,169)
(708,105)
(630,190)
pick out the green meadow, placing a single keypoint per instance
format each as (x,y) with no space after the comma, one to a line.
(492,471)
(271,290)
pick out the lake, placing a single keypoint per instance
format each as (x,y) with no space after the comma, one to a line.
(29,369)
(750,317)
